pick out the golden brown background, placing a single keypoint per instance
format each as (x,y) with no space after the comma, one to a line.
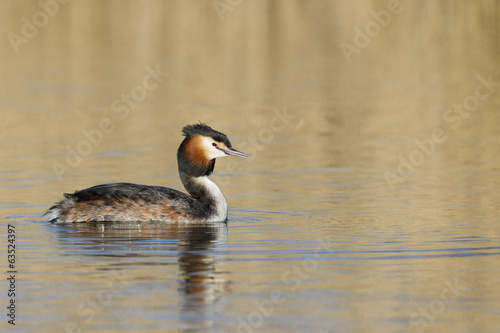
(322,176)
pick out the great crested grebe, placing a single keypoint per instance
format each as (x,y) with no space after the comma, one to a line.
(131,202)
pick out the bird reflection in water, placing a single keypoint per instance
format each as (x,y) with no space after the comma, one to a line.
(201,282)
(196,245)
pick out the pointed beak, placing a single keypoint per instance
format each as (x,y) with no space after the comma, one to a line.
(234,152)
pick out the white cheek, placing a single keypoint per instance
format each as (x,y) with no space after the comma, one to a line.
(216,153)
(212,152)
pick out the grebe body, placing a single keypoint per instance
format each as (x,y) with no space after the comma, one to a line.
(131,202)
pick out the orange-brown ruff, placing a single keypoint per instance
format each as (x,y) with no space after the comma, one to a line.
(131,202)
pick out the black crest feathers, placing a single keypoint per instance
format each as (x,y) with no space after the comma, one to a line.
(190,167)
(202,129)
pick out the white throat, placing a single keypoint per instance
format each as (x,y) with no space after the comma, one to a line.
(216,195)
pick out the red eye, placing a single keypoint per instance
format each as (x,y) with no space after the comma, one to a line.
(214,144)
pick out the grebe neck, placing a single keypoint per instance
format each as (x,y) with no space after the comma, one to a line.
(208,194)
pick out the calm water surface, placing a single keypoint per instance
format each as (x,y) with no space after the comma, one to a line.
(368,205)
(340,255)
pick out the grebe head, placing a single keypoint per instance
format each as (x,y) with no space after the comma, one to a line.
(202,145)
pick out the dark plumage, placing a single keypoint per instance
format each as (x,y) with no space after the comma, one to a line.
(204,130)
(131,202)
(126,202)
